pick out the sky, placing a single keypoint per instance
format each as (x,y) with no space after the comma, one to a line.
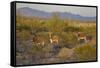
(83,11)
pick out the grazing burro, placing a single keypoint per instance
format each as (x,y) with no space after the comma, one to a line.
(82,37)
(42,40)
(38,40)
(53,38)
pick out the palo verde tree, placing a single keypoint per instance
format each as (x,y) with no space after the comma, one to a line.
(55,23)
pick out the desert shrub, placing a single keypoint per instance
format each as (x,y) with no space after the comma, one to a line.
(23,26)
(71,29)
(23,35)
(32,54)
(85,53)
(68,39)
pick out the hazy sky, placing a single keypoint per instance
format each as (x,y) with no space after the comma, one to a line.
(83,11)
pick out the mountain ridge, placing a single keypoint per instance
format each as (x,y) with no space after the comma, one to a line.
(29,12)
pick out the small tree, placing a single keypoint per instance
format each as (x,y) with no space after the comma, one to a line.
(55,23)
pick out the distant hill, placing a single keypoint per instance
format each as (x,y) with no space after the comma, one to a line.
(29,12)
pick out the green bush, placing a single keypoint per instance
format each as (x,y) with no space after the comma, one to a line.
(71,29)
(23,35)
(85,53)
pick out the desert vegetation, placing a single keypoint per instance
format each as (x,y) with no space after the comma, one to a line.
(54,40)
